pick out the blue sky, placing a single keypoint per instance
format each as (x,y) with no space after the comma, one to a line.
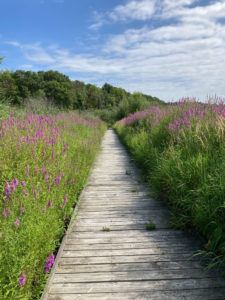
(166,48)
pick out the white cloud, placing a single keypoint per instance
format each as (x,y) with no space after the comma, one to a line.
(133,10)
(33,52)
(98,20)
(212,11)
(25,67)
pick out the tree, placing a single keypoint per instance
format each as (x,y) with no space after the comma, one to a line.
(29,83)
(58,93)
(8,89)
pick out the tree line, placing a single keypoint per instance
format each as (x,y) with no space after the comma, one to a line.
(16,87)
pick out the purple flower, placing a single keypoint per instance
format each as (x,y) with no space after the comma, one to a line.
(39,134)
(50,203)
(65,200)
(46,177)
(57,180)
(6,212)
(23,183)
(14,183)
(17,223)
(49,262)
(10,187)
(22,280)
(7,189)
(44,170)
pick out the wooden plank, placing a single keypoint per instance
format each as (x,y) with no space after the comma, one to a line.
(123,252)
(195,294)
(126,267)
(125,233)
(131,248)
(72,239)
(135,245)
(143,275)
(134,286)
(128,259)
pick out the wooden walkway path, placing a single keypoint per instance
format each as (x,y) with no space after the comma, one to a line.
(107,252)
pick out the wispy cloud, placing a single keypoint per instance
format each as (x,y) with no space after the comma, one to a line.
(34,52)
(25,67)
(131,10)
(98,20)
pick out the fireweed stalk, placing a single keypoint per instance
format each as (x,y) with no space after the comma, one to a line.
(44,162)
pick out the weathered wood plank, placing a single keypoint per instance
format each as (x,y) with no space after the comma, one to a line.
(72,239)
(128,259)
(195,294)
(168,246)
(134,286)
(126,233)
(142,275)
(123,252)
(126,267)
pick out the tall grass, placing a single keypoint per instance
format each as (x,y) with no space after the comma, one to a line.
(182,150)
(44,162)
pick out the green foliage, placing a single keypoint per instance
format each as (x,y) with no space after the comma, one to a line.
(150,226)
(184,165)
(9,91)
(4,111)
(44,162)
(111,103)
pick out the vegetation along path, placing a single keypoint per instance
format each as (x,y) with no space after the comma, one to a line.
(108,253)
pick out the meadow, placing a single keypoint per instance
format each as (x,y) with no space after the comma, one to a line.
(44,163)
(181,148)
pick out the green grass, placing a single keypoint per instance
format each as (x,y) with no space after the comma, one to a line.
(150,226)
(181,149)
(44,164)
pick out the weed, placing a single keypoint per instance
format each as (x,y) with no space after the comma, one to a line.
(106,229)
(150,226)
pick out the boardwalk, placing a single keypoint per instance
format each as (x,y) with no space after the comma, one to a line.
(108,253)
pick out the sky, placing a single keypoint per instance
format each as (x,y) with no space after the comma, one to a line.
(166,48)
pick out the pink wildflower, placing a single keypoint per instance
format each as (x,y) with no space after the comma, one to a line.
(57,180)
(7,190)
(49,263)
(46,177)
(6,212)
(17,223)
(22,280)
